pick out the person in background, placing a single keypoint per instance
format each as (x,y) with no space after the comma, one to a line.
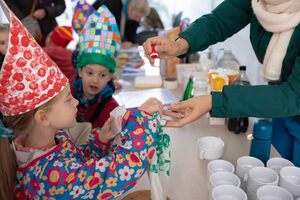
(152,21)
(56,43)
(96,64)
(275,35)
(45,12)
(128,14)
(37,158)
(4,31)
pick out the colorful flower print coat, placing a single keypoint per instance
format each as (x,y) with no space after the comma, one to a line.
(91,171)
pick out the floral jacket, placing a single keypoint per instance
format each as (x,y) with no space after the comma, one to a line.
(94,170)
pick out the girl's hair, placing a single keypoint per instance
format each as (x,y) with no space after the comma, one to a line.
(4,27)
(8,164)
(140,5)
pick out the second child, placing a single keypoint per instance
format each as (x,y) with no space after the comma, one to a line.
(99,42)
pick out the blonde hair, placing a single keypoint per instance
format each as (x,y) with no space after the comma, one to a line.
(141,6)
(8,163)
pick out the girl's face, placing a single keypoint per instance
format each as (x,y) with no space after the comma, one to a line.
(3,42)
(94,79)
(62,113)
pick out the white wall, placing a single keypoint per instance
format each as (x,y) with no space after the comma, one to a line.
(3,19)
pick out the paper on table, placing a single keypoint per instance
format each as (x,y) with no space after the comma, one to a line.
(147,82)
(133,99)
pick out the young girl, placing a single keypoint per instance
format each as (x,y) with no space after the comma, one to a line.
(99,42)
(43,162)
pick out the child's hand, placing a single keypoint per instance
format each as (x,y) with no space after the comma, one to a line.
(106,133)
(151,106)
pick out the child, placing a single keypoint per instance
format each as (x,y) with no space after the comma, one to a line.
(3,41)
(36,103)
(99,42)
(55,47)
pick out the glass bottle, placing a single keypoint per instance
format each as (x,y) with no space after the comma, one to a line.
(228,61)
(188,92)
(238,125)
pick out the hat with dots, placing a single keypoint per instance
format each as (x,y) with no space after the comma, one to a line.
(28,78)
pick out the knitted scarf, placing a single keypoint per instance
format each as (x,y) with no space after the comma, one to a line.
(279,17)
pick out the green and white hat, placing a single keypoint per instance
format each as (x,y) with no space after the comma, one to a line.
(100,40)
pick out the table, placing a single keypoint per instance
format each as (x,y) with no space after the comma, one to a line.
(188,180)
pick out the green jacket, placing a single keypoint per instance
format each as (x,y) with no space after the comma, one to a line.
(280,100)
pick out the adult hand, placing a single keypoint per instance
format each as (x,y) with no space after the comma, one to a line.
(39,14)
(165,48)
(151,106)
(106,133)
(188,111)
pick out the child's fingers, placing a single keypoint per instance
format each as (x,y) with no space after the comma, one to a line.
(107,125)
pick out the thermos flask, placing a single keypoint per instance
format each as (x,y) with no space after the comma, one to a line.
(261,140)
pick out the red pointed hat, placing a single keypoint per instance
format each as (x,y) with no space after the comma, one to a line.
(28,78)
(62,35)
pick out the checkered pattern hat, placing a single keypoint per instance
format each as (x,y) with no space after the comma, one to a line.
(99,41)
(82,11)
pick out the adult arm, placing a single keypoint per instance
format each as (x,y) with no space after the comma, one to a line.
(225,20)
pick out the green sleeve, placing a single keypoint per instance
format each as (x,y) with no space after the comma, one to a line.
(224,21)
(260,101)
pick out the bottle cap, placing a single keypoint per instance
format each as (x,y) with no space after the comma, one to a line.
(153,53)
(262,129)
(243,68)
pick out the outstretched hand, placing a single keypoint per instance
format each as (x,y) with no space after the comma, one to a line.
(188,111)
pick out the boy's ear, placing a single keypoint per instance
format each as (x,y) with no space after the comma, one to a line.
(42,118)
(80,72)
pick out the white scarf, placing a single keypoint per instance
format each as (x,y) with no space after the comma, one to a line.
(279,17)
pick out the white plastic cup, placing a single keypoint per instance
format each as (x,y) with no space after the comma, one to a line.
(243,165)
(258,177)
(277,163)
(223,178)
(219,166)
(228,192)
(210,148)
(290,180)
(271,192)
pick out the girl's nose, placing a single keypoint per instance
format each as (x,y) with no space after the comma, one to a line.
(76,102)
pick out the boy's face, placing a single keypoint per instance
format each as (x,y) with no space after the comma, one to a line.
(63,112)
(3,42)
(94,79)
